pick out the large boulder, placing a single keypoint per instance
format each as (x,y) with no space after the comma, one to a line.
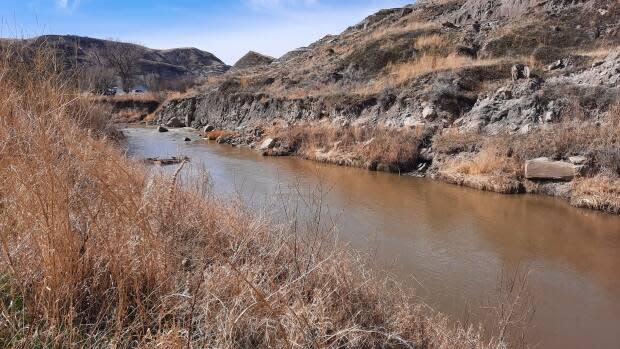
(543,168)
(520,71)
(174,122)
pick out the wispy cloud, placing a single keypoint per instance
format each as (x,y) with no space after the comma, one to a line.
(67,4)
(279,4)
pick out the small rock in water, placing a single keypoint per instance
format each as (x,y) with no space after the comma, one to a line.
(162,129)
(208,128)
(268,143)
(187,139)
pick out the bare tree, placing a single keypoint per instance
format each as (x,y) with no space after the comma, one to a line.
(123,58)
(96,79)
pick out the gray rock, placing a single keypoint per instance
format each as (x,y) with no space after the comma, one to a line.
(208,128)
(429,112)
(578,160)
(174,122)
(268,143)
(543,168)
(550,116)
(187,139)
(162,129)
(520,71)
(525,129)
(426,154)
(559,64)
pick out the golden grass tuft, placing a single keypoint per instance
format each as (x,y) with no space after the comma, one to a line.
(399,74)
(433,41)
(401,27)
(599,193)
(490,169)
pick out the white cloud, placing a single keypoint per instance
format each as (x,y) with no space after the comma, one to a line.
(67,4)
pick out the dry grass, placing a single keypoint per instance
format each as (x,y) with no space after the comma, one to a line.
(401,73)
(600,193)
(600,52)
(404,26)
(95,252)
(489,169)
(376,148)
(496,162)
(397,75)
(598,141)
(487,162)
(427,42)
(451,142)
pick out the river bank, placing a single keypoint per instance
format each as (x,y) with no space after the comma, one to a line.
(490,163)
(450,245)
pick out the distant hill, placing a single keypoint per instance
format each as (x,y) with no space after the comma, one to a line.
(131,61)
(253,59)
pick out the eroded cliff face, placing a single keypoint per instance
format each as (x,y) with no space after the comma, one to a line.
(467,73)
(450,58)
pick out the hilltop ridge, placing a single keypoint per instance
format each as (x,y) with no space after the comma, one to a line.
(102,59)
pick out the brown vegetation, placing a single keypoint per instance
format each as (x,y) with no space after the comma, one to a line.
(97,253)
(215,134)
(376,148)
(600,193)
(489,169)
(496,162)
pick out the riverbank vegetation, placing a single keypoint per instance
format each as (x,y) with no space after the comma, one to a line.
(380,148)
(496,162)
(97,252)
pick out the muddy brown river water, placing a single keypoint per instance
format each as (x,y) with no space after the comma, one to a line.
(450,245)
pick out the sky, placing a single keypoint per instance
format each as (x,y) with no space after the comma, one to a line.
(228,29)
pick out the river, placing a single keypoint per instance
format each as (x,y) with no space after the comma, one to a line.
(450,245)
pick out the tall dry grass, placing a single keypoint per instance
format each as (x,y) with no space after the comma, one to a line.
(498,160)
(96,252)
(375,148)
(396,75)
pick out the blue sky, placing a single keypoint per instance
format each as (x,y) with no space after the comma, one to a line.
(226,28)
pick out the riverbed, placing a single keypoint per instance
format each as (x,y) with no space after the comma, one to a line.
(449,245)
